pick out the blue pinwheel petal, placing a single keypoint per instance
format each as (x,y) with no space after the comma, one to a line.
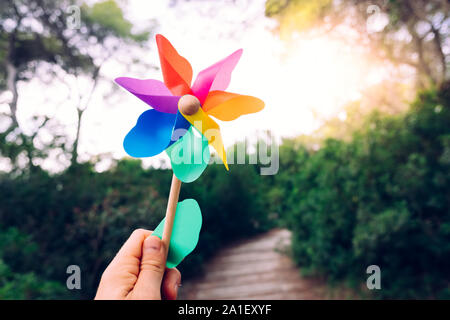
(180,128)
(151,134)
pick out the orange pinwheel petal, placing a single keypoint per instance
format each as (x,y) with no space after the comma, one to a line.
(176,70)
(227,106)
(211,130)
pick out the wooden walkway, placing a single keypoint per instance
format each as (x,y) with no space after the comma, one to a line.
(254,268)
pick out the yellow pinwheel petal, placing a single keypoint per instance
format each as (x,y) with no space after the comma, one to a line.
(227,106)
(210,129)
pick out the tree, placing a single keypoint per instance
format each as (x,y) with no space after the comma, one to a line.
(404,32)
(65,40)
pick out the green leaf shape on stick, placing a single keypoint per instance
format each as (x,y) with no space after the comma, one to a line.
(185,232)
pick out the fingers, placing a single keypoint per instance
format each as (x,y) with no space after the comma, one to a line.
(138,271)
(127,260)
(153,263)
(171,283)
(133,246)
(120,276)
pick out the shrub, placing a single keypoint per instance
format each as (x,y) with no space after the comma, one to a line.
(17,247)
(383,198)
(83,217)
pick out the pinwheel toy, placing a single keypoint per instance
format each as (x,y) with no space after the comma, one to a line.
(180,123)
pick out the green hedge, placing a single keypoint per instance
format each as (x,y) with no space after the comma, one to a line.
(82,217)
(383,198)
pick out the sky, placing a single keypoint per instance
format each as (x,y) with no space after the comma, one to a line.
(301,82)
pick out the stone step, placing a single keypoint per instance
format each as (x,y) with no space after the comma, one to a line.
(245,291)
(261,245)
(250,279)
(223,273)
(246,257)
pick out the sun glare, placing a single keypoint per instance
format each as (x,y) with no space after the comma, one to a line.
(326,74)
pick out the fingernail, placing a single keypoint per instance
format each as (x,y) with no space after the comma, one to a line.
(152,243)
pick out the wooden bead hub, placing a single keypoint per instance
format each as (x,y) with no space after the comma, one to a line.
(188,104)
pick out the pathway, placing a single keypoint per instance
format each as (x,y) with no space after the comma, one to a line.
(254,268)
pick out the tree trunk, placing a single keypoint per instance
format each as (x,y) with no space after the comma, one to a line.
(73,160)
(80,112)
(11,85)
(438,43)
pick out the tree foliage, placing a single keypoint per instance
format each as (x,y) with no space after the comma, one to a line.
(17,247)
(415,33)
(64,38)
(381,198)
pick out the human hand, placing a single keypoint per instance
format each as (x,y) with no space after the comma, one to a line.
(138,271)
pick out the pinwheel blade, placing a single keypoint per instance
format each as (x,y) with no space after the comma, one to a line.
(216,77)
(185,232)
(151,134)
(180,128)
(227,106)
(211,130)
(189,156)
(177,71)
(152,92)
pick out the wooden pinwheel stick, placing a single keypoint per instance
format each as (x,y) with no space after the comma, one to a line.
(170,212)
(188,105)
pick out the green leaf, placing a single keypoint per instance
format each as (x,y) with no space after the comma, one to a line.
(185,232)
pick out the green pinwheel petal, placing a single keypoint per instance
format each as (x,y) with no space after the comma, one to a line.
(189,156)
(185,232)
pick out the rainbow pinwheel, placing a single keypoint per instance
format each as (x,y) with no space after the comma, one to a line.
(185,137)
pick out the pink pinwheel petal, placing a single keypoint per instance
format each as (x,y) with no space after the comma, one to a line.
(216,77)
(152,92)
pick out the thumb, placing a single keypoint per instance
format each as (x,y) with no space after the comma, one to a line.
(153,265)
